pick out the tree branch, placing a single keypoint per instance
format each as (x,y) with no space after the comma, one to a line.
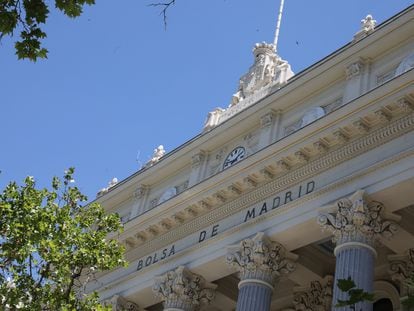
(165,6)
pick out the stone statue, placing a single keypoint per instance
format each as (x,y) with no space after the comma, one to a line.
(112,183)
(367,26)
(368,23)
(156,156)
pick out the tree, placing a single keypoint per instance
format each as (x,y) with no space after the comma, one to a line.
(355,295)
(51,245)
(28,16)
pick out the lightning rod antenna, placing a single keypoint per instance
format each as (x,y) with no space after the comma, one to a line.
(279,19)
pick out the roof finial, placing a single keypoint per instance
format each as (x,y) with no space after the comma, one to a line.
(279,19)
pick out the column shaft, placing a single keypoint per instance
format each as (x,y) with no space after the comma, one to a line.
(254,297)
(358,264)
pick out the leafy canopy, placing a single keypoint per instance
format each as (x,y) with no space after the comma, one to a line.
(355,295)
(27,16)
(51,245)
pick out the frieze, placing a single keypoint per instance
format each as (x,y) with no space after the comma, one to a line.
(317,165)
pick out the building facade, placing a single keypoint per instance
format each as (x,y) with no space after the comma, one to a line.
(303,180)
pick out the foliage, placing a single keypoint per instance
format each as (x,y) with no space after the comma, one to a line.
(27,16)
(51,246)
(355,295)
(409,301)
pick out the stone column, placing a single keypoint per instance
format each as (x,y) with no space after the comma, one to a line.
(119,303)
(316,297)
(182,290)
(402,272)
(260,263)
(356,226)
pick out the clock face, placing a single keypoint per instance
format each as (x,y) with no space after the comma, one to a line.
(236,155)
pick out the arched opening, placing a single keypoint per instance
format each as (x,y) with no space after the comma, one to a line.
(383,304)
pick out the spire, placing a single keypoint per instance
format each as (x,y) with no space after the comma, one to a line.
(279,19)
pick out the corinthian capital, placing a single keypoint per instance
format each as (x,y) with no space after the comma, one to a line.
(119,303)
(357,220)
(402,269)
(181,289)
(260,259)
(316,297)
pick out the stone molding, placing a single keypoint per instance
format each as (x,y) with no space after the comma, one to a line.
(181,289)
(316,297)
(357,220)
(328,158)
(119,303)
(402,269)
(259,258)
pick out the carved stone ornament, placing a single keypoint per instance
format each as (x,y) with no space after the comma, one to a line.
(141,191)
(261,259)
(197,159)
(119,303)
(184,290)
(317,297)
(266,120)
(353,70)
(111,184)
(268,67)
(213,118)
(402,269)
(356,220)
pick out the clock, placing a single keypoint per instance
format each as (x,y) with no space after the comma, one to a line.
(234,156)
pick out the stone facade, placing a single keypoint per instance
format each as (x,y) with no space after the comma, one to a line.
(268,210)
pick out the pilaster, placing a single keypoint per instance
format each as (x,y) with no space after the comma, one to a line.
(357,79)
(182,290)
(198,162)
(140,200)
(268,125)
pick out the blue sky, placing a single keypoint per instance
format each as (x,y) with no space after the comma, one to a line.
(117,84)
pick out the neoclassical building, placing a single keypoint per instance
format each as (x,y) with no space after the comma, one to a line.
(302,180)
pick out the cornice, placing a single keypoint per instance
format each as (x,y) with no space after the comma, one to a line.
(259,185)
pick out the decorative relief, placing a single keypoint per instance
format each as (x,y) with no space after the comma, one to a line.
(197,159)
(354,69)
(361,126)
(318,297)
(141,191)
(261,259)
(184,290)
(119,303)
(402,269)
(382,116)
(267,119)
(405,105)
(268,68)
(357,220)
